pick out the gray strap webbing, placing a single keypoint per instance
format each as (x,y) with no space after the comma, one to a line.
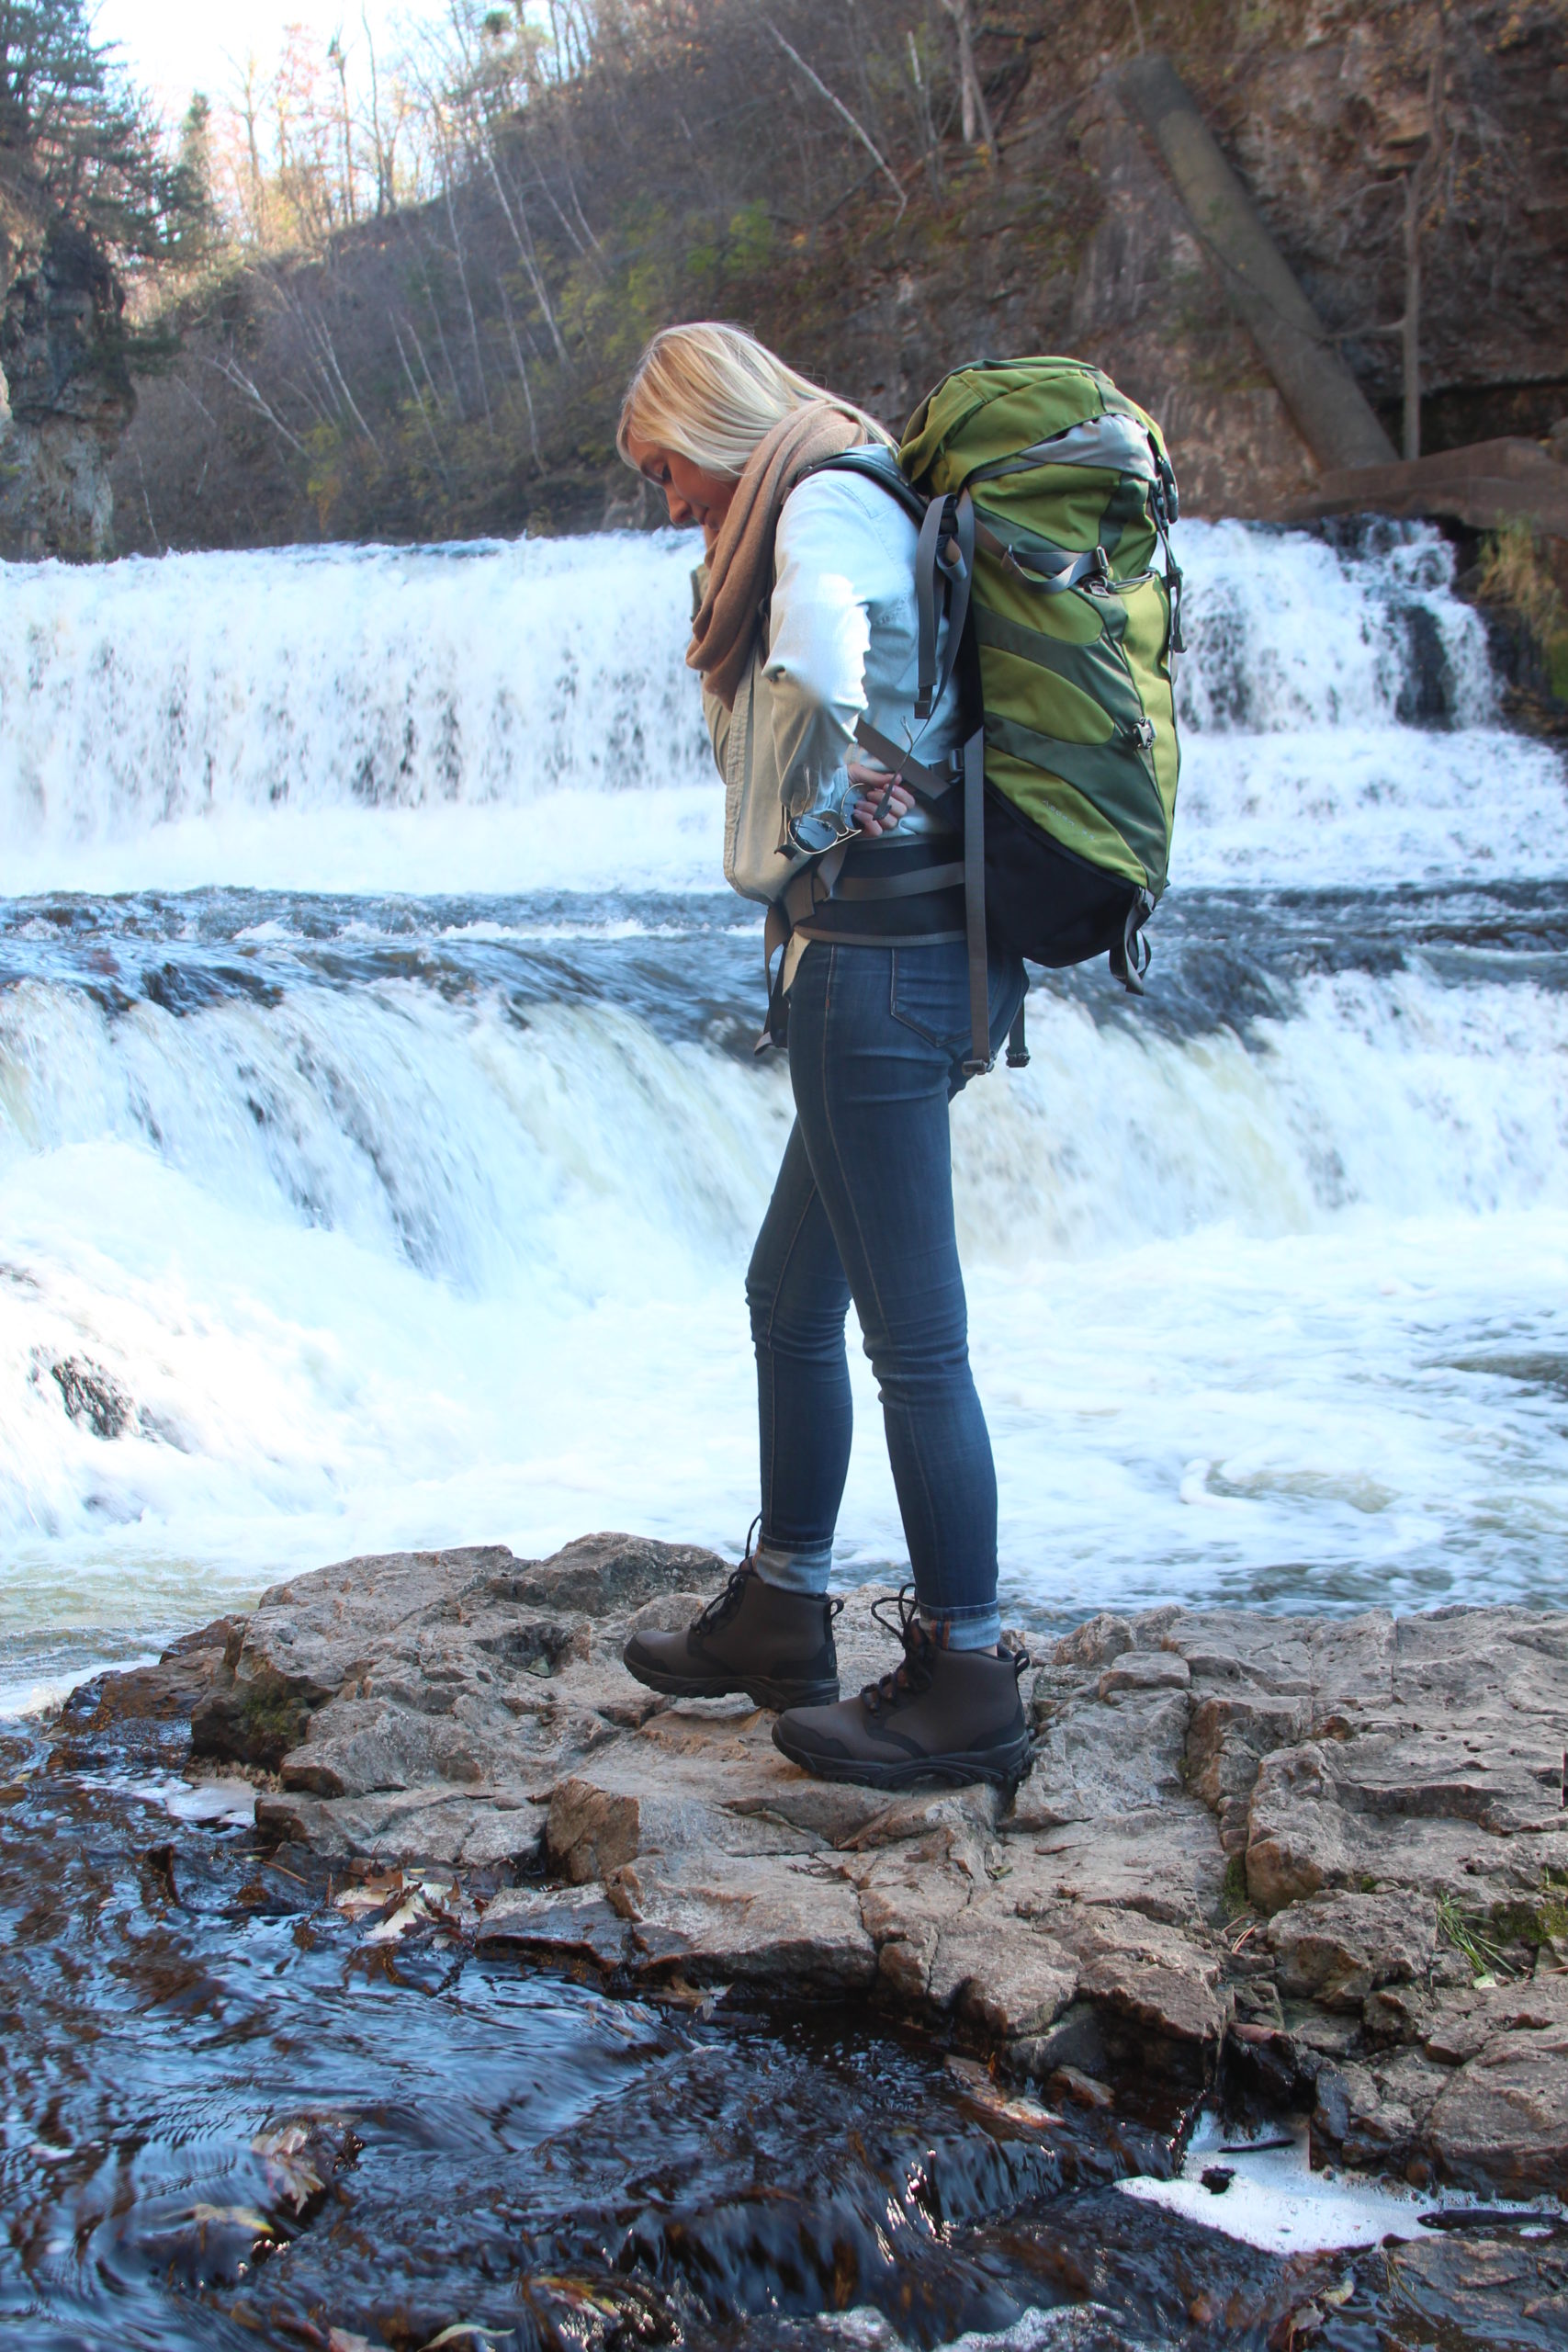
(809,888)
(1130,955)
(933,562)
(1071,572)
(792,906)
(932,784)
(958,610)
(1117,445)
(907,885)
(928,557)
(975,904)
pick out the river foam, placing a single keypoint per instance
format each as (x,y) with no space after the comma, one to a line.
(517,717)
(421,1214)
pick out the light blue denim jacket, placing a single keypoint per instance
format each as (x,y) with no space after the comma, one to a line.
(840,639)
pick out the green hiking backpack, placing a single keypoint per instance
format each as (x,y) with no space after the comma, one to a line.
(1042,493)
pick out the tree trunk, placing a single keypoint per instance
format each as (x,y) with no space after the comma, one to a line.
(1410,328)
(977,130)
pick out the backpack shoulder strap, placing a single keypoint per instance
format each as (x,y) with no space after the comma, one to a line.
(946,549)
(877,465)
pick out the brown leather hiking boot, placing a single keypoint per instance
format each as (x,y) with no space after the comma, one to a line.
(774,1645)
(952,1716)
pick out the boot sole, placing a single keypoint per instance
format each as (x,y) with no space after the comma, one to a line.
(1000,1767)
(760,1689)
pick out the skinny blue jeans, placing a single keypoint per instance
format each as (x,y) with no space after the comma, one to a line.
(862,1209)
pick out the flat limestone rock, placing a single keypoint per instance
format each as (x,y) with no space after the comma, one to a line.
(472,1636)
(1501,2123)
(1404,1805)
(911,1895)
(460,1828)
(549,1925)
(1011,1978)
(774,1920)
(1159,1988)
(1163,1861)
(1091,1762)
(1340,1844)
(1338,1948)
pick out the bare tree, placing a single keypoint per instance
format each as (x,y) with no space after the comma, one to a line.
(339,64)
(380,146)
(930,145)
(977,130)
(840,108)
(516,217)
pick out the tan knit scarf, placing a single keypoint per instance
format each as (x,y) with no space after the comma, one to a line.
(740,569)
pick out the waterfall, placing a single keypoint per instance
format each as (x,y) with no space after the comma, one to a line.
(380,1145)
(518,718)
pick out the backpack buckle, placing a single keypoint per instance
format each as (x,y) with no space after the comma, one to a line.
(1165,498)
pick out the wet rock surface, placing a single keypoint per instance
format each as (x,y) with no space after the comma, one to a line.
(1330,1854)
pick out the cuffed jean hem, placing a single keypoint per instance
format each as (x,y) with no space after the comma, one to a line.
(794,1571)
(964,1628)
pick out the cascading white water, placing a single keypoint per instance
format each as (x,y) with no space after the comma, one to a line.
(473,717)
(517,717)
(330,1222)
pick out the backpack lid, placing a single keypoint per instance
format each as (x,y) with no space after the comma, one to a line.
(986,415)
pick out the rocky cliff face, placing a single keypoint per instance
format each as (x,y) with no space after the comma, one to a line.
(1331,114)
(65,400)
(1344,123)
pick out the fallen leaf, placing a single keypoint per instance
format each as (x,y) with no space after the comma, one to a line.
(237,2217)
(355,1900)
(409,1914)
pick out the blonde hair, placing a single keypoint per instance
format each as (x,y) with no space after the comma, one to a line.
(711,392)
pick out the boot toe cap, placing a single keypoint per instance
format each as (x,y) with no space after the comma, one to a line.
(812,1731)
(656,1653)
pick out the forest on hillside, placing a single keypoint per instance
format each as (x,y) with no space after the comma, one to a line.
(428,284)
(396,296)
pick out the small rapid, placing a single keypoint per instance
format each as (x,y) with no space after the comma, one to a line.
(380,1140)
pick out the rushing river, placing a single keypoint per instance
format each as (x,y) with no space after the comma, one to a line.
(380,1149)
(380,1144)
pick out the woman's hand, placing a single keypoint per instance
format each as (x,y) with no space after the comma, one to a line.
(876,787)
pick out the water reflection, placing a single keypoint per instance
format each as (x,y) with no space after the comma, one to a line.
(230,2119)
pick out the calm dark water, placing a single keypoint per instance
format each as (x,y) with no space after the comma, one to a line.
(227,2121)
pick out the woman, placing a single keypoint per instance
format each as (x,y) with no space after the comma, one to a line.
(807,622)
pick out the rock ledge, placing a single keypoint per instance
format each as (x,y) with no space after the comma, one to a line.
(1332,1853)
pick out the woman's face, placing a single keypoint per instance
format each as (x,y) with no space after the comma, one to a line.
(692,495)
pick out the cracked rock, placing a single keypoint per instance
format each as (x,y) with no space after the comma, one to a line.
(1391,1788)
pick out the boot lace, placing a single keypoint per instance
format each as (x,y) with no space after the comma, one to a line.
(723,1605)
(907,1680)
(913,1675)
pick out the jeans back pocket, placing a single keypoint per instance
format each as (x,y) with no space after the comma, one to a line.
(930,993)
